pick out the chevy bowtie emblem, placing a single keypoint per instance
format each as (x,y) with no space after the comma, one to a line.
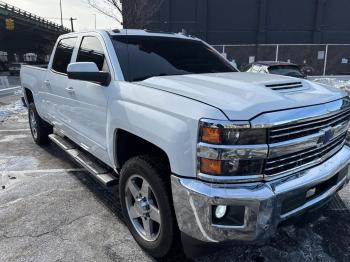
(327,136)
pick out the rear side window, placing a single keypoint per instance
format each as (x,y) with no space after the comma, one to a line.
(91,50)
(63,54)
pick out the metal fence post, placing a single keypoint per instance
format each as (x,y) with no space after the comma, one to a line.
(325,61)
(277,51)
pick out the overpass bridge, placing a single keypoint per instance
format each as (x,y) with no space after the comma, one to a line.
(30,34)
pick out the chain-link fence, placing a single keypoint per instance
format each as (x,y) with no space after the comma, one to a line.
(322,59)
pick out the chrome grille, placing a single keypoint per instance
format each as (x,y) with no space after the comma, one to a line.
(302,159)
(304,137)
(292,131)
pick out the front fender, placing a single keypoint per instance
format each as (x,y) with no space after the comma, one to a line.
(166,120)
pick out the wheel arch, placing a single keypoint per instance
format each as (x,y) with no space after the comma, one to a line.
(128,145)
(28,95)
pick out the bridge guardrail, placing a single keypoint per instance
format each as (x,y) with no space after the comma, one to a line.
(19,12)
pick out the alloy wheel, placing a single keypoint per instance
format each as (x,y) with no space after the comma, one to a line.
(33,124)
(142,207)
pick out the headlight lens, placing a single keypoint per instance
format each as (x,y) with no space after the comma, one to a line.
(231,134)
(231,148)
(235,167)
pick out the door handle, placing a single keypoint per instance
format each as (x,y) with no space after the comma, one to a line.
(70,89)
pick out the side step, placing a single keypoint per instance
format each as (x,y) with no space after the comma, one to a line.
(100,172)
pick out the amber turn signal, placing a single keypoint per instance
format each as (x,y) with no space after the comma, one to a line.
(211,135)
(210,166)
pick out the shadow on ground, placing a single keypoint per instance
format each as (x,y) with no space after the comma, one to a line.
(322,235)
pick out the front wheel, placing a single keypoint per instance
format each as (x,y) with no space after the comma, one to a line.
(38,127)
(147,205)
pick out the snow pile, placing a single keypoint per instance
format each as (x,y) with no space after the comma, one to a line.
(342,84)
(14,108)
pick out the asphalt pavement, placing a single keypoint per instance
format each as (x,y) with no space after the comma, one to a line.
(9,85)
(52,210)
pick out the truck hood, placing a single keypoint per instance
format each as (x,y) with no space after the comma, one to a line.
(242,96)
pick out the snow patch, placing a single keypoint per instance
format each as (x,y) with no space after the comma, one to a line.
(341,84)
(14,108)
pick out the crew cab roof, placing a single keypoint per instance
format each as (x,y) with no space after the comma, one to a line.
(139,32)
(146,32)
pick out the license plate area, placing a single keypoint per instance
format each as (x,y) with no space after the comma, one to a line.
(295,201)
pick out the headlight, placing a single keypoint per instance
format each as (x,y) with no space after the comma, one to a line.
(230,133)
(231,150)
(233,167)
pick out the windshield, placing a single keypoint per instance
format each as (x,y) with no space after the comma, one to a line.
(142,57)
(286,70)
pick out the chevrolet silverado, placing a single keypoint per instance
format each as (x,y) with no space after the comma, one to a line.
(194,146)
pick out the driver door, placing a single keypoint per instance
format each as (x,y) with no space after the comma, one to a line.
(89,115)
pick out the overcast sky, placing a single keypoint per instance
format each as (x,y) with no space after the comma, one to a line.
(71,8)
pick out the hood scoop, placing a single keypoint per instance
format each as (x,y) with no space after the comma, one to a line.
(285,86)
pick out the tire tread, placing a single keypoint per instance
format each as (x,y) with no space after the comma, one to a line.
(43,128)
(162,179)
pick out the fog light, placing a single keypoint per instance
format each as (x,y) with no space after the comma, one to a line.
(220,211)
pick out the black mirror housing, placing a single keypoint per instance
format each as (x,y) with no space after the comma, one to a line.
(102,78)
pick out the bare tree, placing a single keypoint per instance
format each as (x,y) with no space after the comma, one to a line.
(110,8)
(136,13)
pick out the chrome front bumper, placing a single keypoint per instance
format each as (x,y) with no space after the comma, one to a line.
(193,201)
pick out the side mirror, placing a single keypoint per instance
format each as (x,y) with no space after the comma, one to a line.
(88,71)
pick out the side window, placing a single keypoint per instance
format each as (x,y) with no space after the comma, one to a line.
(63,54)
(91,50)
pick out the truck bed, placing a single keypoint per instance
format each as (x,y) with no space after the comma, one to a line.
(32,77)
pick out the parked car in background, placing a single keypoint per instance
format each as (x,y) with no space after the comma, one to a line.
(194,146)
(277,68)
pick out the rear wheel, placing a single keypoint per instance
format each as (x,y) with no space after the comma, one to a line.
(38,127)
(147,205)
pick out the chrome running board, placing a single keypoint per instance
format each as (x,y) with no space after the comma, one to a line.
(99,171)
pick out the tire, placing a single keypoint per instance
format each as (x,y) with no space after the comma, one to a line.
(164,235)
(38,127)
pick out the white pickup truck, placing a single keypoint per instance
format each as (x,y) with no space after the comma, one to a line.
(194,145)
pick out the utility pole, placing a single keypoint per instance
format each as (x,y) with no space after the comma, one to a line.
(71,23)
(61,13)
